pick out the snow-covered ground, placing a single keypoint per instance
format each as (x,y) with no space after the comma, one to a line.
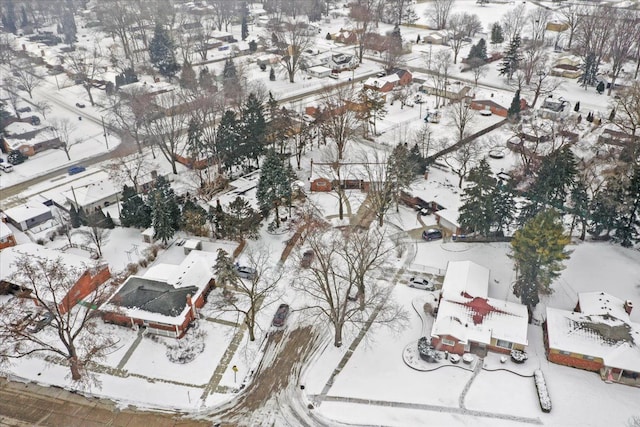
(140,373)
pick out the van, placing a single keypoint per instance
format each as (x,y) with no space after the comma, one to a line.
(6,167)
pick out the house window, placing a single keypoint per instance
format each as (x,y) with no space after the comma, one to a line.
(448,342)
(565,353)
(504,344)
(585,357)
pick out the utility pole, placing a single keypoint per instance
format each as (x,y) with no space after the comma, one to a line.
(104,129)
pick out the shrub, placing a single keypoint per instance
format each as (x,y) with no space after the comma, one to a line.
(132,268)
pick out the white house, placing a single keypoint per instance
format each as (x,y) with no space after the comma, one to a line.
(28,215)
(319,71)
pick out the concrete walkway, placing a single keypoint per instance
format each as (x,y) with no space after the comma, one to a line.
(428,407)
(131,349)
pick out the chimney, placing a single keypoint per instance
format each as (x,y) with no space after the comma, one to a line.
(628,306)
(190,304)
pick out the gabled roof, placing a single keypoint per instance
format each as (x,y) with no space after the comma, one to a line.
(615,341)
(481,319)
(601,303)
(27,211)
(465,280)
(91,193)
(5,231)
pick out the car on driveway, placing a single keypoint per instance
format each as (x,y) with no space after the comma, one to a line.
(43,320)
(421,283)
(281,315)
(80,105)
(432,234)
(245,272)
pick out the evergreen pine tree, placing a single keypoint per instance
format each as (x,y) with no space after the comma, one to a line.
(69,29)
(328,36)
(25,18)
(504,205)
(253,46)
(225,270)
(161,52)
(9,18)
(600,87)
(589,70)
(188,77)
(82,215)
(205,79)
(241,220)
(418,39)
(74,217)
(134,211)
(108,222)
(274,185)
(603,209)
(514,109)
(479,51)
(496,34)
(538,252)
(272,75)
(512,58)
(476,212)
(396,38)
(417,160)
(165,210)
(627,222)
(254,128)
(612,115)
(577,107)
(193,218)
(244,28)
(196,147)
(578,207)
(230,81)
(228,139)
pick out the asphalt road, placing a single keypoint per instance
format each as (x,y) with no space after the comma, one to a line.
(24,405)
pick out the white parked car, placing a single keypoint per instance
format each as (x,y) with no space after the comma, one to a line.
(245,272)
(421,283)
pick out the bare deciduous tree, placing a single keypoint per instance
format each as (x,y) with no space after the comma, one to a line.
(86,69)
(78,337)
(513,22)
(128,169)
(330,283)
(572,16)
(439,12)
(465,158)
(627,114)
(457,32)
(339,121)
(479,69)
(442,62)
(168,131)
(26,77)
(462,115)
(247,297)
(362,14)
(62,129)
(43,107)
(294,40)
(625,33)
(538,19)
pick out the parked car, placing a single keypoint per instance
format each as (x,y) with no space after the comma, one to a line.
(24,110)
(307,258)
(43,320)
(281,315)
(421,283)
(245,272)
(6,167)
(35,120)
(80,105)
(381,74)
(15,157)
(432,234)
(76,169)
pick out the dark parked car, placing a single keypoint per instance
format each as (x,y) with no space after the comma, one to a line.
(35,120)
(281,315)
(43,320)
(307,259)
(15,157)
(432,234)
(76,169)
(24,110)
(80,105)
(245,272)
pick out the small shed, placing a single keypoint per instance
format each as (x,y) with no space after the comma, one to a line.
(448,219)
(147,235)
(192,244)
(29,215)
(319,71)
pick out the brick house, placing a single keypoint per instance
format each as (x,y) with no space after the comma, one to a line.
(89,276)
(166,299)
(469,320)
(7,239)
(597,336)
(494,107)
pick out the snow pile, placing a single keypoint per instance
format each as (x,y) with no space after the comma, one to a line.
(543,393)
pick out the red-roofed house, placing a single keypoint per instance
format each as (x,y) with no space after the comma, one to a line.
(469,320)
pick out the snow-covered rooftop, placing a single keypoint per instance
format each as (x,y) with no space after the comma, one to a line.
(36,253)
(26,211)
(465,280)
(93,192)
(5,231)
(613,340)
(482,319)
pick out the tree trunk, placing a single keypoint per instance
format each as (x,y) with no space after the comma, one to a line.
(74,365)
(87,87)
(337,338)
(250,328)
